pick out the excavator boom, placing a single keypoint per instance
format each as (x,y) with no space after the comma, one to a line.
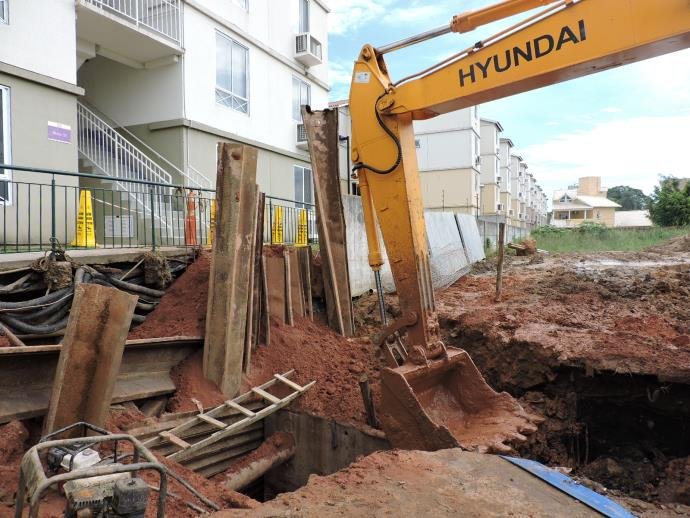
(437,398)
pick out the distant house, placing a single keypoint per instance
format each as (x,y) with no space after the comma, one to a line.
(587,202)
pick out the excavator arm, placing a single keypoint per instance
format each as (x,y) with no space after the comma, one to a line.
(437,398)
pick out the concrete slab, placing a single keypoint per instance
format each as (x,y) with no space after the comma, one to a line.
(448,259)
(92,256)
(469,231)
(414,483)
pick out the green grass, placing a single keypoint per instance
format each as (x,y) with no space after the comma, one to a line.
(597,238)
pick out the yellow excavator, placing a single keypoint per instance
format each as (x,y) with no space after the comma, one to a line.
(433,396)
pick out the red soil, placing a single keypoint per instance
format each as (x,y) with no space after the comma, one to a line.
(191,385)
(182,310)
(318,353)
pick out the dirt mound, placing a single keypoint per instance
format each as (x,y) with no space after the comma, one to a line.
(675,487)
(676,244)
(317,353)
(192,387)
(182,310)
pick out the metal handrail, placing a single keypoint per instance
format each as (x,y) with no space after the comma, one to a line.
(203,180)
(160,16)
(96,176)
(102,145)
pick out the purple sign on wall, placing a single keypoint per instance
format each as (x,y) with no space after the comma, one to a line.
(59,132)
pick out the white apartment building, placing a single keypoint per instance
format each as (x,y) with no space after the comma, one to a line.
(504,155)
(490,167)
(449,159)
(147,88)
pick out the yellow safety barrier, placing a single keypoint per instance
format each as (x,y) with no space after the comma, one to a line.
(86,235)
(277,230)
(302,229)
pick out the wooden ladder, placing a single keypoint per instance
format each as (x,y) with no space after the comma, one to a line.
(273,403)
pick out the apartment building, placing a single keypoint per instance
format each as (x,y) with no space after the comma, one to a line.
(449,159)
(490,167)
(147,88)
(506,174)
(516,186)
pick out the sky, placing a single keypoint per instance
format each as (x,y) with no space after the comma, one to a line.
(628,125)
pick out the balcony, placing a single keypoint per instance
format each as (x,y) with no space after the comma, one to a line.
(138,33)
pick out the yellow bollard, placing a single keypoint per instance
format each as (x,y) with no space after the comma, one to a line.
(212,225)
(277,230)
(302,229)
(86,235)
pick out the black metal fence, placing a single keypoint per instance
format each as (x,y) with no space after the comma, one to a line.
(79,211)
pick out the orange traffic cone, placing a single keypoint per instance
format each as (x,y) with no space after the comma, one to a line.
(190,221)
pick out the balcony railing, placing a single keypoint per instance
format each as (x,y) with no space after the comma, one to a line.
(160,16)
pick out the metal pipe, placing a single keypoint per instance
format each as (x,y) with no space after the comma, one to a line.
(413,40)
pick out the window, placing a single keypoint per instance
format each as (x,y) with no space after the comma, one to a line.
(5,143)
(565,199)
(301,94)
(4,11)
(304,188)
(244,4)
(232,79)
(303,16)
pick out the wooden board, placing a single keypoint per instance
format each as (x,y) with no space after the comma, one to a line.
(304,259)
(296,285)
(229,279)
(322,134)
(90,357)
(275,281)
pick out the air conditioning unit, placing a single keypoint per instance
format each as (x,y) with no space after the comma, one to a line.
(301,137)
(308,49)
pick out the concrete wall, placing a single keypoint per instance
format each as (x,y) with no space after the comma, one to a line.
(322,447)
(32,105)
(132,96)
(40,37)
(448,248)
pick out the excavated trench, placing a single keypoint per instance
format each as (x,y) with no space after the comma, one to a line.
(626,432)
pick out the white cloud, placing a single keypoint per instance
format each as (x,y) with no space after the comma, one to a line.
(348,15)
(611,109)
(631,151)
(340,76)
(420,15)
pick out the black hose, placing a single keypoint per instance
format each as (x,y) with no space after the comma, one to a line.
(46,311)
(27,304)
(18,325)
(390,133)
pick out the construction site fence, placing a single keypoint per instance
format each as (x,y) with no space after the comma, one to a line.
(45,209)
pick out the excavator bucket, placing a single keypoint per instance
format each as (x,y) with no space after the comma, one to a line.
(447,404)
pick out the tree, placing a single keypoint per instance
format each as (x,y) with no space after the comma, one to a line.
(628,198)
(670,203)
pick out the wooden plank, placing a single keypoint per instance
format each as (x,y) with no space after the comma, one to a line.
(258,276)
(322,134)
(265,329)
(249,333)
(289,313)
(266,395)
(175,440)
(91,356)
(226,316)
(210,420)
(275,284)
(304,259)
(288,382)
(296,285)
(242,409)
